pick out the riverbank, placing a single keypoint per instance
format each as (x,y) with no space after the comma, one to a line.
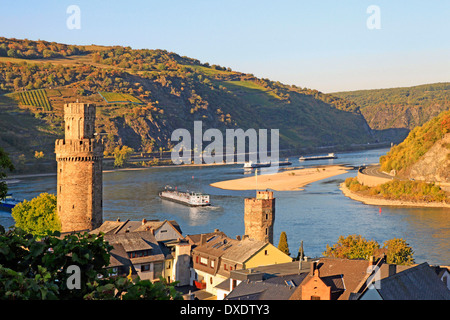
(14,178)
(289,180)
(372,200)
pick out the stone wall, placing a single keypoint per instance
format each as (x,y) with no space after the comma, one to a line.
(370,181)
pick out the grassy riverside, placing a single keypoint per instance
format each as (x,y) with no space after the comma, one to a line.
(414,191)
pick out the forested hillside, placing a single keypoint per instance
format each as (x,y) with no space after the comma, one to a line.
(143,95)
(400,108)
(402,157)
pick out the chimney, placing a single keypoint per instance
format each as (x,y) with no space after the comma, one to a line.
(144,221)
(313,268)
(216,230)
(202,239)
(245,236)
(238,237)
(392,269)
(372,261)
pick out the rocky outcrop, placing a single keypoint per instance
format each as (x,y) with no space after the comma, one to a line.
(434,166)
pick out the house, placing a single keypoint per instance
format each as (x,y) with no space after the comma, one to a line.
(333,279)
(272,282)
(344,279)
(416,283)
(338,279)
(443,274)
(160,249)
(316,287)
(163,230)
(264,290)
(196,239)
(216,256)
(139,251)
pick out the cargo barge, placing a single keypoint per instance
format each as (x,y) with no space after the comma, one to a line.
(327,157)
(251,164)
(192,199)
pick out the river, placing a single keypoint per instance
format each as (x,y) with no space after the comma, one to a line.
(318,215)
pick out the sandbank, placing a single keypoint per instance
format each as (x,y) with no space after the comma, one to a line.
(289,180)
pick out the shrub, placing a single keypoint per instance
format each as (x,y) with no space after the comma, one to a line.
(36,269)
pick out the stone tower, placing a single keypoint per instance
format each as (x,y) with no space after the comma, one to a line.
(259,216)
(79,157)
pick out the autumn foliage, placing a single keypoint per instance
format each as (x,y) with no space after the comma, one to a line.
(418,142)
(401,190)
(356,247)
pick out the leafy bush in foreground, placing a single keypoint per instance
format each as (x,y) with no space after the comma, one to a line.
(38,269)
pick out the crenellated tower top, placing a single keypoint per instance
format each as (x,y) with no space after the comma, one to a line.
(79,121)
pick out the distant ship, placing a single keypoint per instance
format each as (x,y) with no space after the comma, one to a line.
(251,164)
(284,163)
(8,203)
(329,156)
(193,199)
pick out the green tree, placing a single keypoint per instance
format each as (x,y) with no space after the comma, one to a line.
(352,247)
(283,244)
(121,155)
(356,247)
(398,252)
(12,53)
(5,164)
(38,216)
(34,268)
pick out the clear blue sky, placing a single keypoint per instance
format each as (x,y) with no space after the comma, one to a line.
(324,45)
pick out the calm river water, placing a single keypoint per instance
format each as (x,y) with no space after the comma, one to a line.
(318,215)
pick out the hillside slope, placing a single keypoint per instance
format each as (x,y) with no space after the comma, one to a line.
(434,165)
(400,110)
(143,95)
(425,153)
